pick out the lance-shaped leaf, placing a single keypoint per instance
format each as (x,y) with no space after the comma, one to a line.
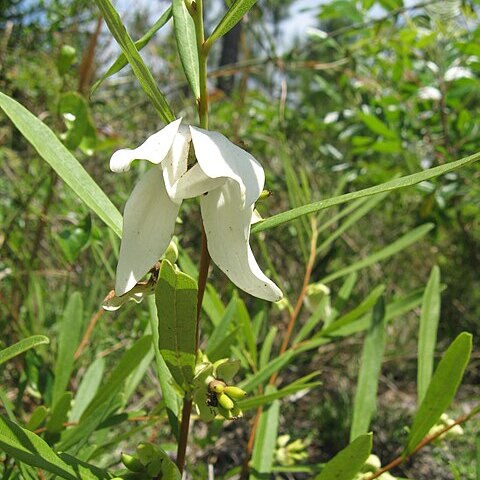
(51,149)
(21,346)
(176,299)
(29,448)
(442,389)
(234,14)
(187,44)
(69,338)
(122,61)
(427,336)
(348,462)
(396,184)
(141,71)
(370,365)
(265,440)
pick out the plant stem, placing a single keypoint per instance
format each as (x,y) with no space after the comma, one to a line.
(196,10)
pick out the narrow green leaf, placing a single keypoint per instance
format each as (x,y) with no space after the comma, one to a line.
(403,242)
(141,71)
(127,364)
(68,340)
(246,326)
(377,126)
(442,389)
(89,385)
(352,220)
(343,295)
(267,347)
(265,398)
(265,440)
(234,14)
(187,44)
(348,462)
(353,315)
(122,61)
(37,417)
(221,330)
(401,182)
(165,379)
(427,337)
(60,413)
(176,300)
(29,448)
(51,149)
(272,367)
(22,346)
(370,365)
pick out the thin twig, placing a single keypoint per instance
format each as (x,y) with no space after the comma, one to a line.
(427,440)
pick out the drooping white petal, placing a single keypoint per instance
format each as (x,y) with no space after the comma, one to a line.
(154,149)
(219,157)
(148,223)
(227,226)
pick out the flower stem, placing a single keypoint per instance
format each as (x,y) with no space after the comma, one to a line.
(196,10)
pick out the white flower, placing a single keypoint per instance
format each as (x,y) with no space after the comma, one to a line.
(228,181)
(429,93)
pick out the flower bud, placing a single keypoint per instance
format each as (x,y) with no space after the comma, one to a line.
(216,386)
(235,393)
(132,463)
(225,401)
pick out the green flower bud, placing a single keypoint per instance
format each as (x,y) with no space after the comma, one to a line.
(171,254)
(216,386)
(235,392)
(132,463)
(225,401)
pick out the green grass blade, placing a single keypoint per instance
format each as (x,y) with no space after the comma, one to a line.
(352,220)
(141,71)
(88,388)
(427,337)
(187,44)
(234,14)
(365,403)
(22,346)
(442,389)
(176,300)
(367,303)
(51,149)
(348,462)
(59,413)
(127,364)
(403,242)
(265,440)
(264,398)
(68,340)
(122,61)
(396,184)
